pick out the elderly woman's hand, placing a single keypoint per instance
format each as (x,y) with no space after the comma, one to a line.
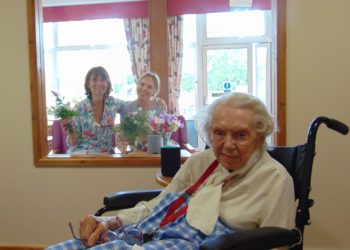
(92,230)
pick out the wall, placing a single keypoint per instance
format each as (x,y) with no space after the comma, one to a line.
(37,203)
(318,76)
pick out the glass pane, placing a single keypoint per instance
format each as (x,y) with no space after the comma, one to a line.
(187,100)
(50,80)
(250,23)
(261,73)
(71,78)
(90,32)
(66,66)
(49,36)
(227,71)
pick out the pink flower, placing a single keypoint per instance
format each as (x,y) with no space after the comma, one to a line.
(110,121)
(164,123)
(88,133)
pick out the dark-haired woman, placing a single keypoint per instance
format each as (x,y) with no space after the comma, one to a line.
(93,127)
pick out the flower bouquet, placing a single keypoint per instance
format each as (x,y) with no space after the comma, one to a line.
(164,124)
(134,128)
(62,111)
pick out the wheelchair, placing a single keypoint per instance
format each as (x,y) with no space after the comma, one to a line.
(298,160)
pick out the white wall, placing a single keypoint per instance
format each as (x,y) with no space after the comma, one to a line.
(37,203)
(318,77)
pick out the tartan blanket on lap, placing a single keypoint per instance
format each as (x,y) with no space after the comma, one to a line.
(177,235)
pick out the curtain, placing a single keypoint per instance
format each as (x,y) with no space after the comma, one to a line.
(138,42)
(175,40)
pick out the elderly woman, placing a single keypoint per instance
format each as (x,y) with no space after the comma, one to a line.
(234,185)
(93,127)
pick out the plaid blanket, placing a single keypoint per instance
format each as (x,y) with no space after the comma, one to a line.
(177,235)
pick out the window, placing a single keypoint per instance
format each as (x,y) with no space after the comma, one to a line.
(68,57)
(223,52)
(38,84)
(227,52)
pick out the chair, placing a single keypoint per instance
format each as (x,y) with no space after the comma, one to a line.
(180,136)
(59,135)
(298,160)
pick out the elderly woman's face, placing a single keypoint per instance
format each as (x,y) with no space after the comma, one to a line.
(98,87)
(146,88)
(233,136)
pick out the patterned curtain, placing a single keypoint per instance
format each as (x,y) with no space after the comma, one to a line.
(137,36)
(175,39)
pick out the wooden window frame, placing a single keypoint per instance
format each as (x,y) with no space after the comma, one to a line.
(158,34)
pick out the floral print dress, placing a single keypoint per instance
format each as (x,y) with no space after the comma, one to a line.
(95,137)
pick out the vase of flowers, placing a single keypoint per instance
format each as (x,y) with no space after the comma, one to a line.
(134,128)
(164,124)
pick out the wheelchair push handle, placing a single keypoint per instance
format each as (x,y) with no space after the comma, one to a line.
(330,123)
(337,126)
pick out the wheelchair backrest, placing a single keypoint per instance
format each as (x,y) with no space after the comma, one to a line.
(294,160)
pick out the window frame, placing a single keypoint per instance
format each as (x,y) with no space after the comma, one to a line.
(251,44)
(38,93)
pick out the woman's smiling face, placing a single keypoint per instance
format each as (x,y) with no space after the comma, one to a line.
(146,88)
(98,87)
(233,136)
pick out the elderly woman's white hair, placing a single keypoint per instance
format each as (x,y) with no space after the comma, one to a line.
(264,123)
(155,78)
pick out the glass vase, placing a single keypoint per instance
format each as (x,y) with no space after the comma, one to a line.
(140,143)
(166,138)
(121,142)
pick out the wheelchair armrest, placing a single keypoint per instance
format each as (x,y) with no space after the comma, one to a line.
(126,199)
(254,239)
